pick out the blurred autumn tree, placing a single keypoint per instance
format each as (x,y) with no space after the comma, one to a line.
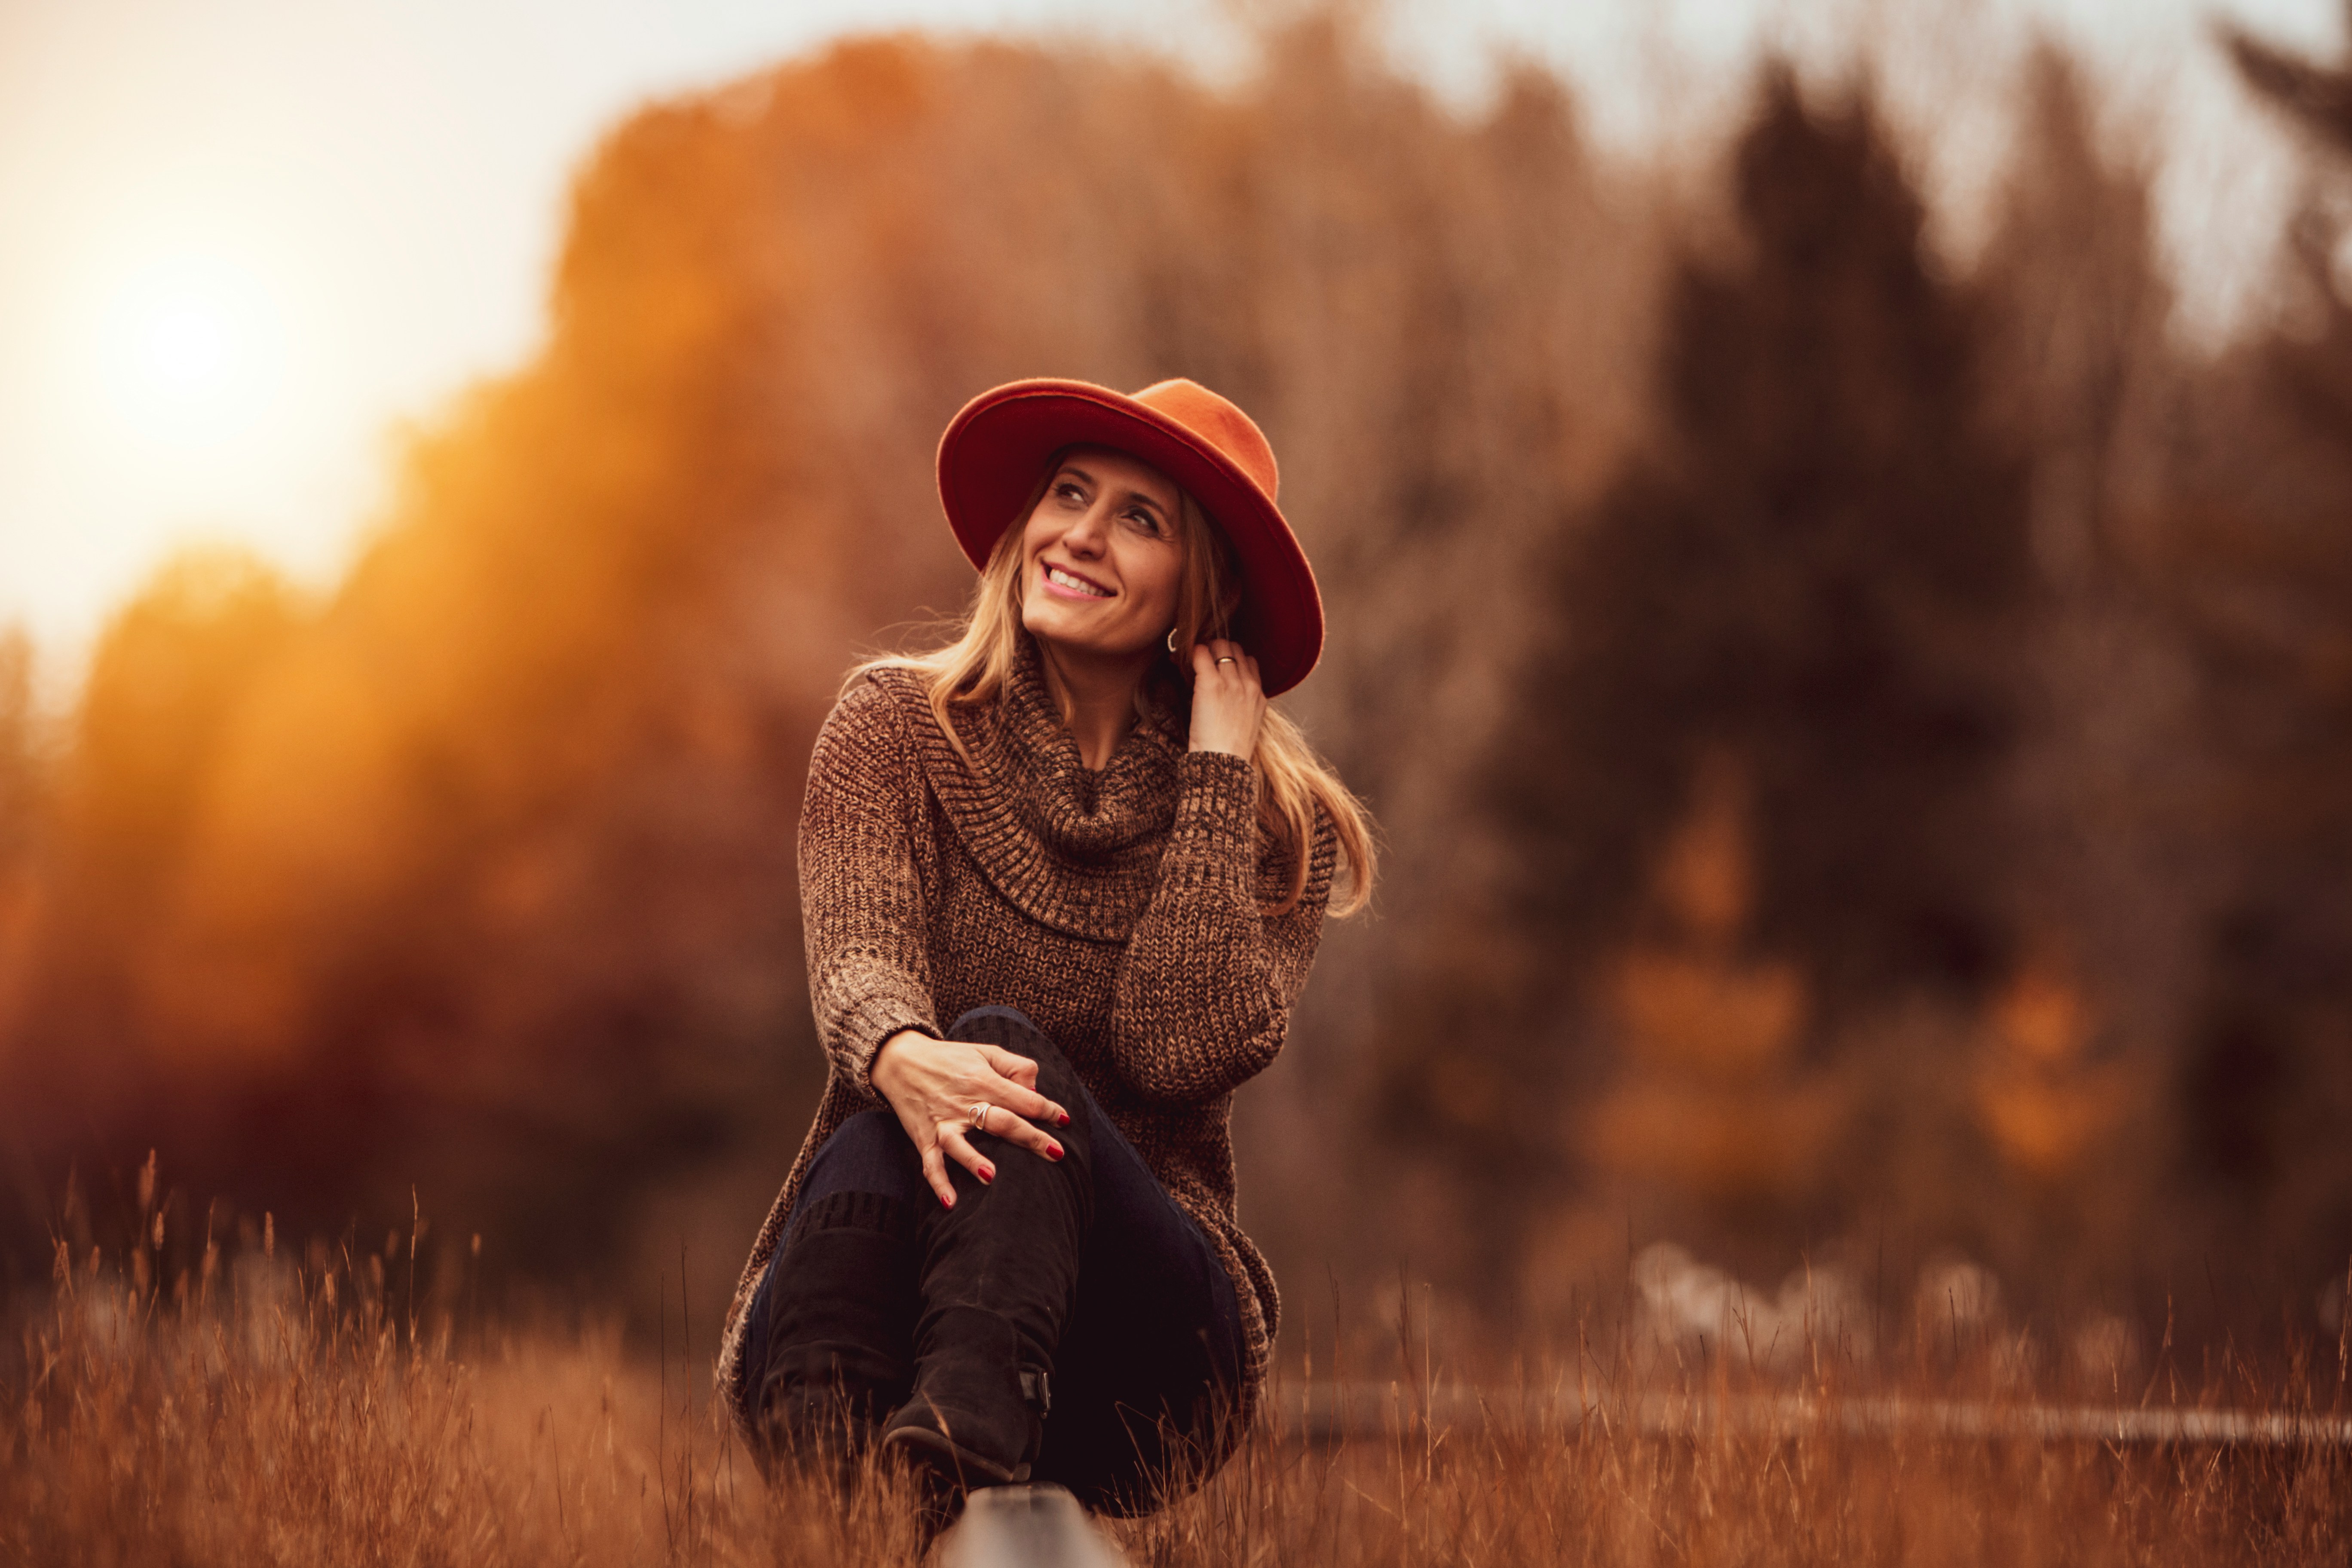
(2064,1086)
(1791,614)
(23,788)
(1815,571)
(148,736)
(2261,574)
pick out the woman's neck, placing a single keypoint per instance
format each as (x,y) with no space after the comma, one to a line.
(1095,696)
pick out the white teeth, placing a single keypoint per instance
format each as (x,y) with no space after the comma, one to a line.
(1067,581)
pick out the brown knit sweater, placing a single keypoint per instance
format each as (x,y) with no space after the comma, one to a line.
(1119,910)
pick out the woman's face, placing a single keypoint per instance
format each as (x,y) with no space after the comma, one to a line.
(1102,557)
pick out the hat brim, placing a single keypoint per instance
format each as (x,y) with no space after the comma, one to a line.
(993,456)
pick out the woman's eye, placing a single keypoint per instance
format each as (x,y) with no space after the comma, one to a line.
(1144,520)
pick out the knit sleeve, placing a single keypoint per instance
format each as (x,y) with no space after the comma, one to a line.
(861,895)
(1204,992)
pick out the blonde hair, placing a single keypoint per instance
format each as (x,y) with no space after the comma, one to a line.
(1293,782)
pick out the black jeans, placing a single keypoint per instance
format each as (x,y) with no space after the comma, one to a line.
(1153,1349)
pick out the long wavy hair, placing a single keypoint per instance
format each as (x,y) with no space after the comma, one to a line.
(1293,782)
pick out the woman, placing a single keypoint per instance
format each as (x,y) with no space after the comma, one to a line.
(1061,879)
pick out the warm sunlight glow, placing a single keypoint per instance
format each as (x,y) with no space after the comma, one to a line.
(184,371)
(192,352)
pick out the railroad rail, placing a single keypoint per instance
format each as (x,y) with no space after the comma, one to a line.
(1329,1413)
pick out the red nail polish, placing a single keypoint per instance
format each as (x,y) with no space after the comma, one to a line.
(1055,1150)
(986,1175)
(1066,1120)
(947,1202)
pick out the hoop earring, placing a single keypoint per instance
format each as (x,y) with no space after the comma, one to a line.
(1171,642)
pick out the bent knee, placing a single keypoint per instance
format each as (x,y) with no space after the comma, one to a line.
(1011,1029)
(869,1153)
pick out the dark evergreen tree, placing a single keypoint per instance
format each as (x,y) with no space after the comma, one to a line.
(1815,571)
(2261,580)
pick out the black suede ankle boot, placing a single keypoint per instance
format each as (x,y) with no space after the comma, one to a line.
(841,1327)
(999,1272)
(976,1417)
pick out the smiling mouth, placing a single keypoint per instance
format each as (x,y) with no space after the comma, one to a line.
(1061,577)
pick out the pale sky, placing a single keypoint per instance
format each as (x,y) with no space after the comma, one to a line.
(241,240)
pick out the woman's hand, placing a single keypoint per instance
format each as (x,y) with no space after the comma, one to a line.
(1228,703)
(935,1085)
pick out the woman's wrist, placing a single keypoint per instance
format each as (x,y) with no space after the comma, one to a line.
(888,1061)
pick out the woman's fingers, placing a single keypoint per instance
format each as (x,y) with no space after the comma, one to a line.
(1221,658)
(935,1170)
(1013,1112)
(960,1150)
(1003,1124)
(1012,1065)
(1228,699)
(1221,661)
(1015,1091)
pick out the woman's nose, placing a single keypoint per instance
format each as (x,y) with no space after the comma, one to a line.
(1089,532)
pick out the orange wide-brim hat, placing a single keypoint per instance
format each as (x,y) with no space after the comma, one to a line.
(993,456)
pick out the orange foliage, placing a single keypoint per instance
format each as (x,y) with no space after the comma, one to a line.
(1716,1097)
(2046,1103)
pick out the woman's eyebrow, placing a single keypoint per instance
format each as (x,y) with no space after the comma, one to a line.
(1148,500)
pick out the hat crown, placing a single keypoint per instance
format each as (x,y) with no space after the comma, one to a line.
(1219,423)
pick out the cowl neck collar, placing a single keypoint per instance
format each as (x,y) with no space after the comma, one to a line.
(1074,849)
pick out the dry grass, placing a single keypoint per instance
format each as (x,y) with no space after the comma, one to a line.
(263,1415)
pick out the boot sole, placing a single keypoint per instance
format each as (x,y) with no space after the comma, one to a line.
(957,1468)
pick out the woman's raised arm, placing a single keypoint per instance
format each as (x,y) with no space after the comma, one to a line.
(1203,997)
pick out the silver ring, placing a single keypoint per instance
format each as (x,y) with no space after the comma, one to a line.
(980,1109)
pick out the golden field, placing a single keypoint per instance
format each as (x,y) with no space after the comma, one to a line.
(264,1413)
